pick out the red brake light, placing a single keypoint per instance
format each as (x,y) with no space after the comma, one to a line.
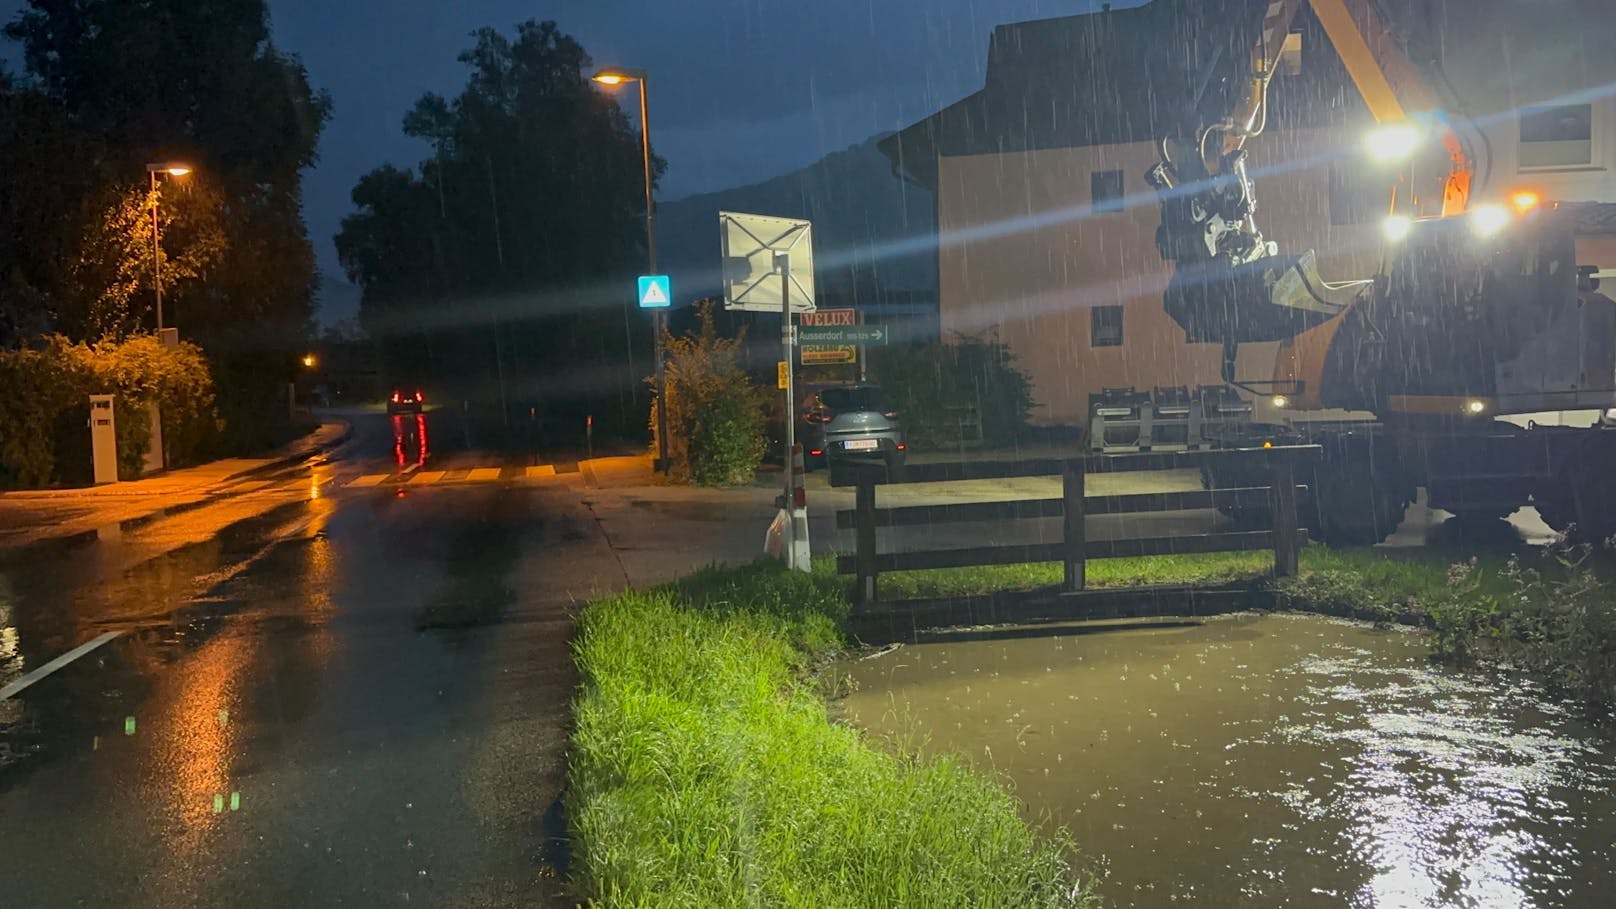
(395,397)
(902,447)
(418,397)
(817,418)
(816,452)
(891,415)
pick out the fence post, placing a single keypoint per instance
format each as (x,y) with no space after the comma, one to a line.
(1282,493)
(1072,524)
(864,525)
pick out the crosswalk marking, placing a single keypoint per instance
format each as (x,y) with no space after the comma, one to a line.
(542,470)
(484,473)
(370,479)
(427,477)
(450,477)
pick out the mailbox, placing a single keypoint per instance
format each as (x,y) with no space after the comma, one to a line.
(103,439)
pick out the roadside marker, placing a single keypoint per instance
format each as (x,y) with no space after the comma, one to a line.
(15,686)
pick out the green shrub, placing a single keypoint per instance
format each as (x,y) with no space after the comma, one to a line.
(705,770)
(43,435)
(715,411)
(934,384)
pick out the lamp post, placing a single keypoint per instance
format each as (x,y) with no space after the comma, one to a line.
(611,78)
(152,170)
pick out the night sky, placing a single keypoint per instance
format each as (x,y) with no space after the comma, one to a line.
(741,90)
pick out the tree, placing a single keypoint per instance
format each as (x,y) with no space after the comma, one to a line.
(501,263)
(193,80)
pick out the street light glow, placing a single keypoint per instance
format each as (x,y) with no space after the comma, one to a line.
(308,360)
(173,169)
(609,79)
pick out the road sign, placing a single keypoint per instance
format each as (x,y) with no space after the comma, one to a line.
(829,317)
(752,280)
(656,292)
(782,374)
(822,355)
(848,334)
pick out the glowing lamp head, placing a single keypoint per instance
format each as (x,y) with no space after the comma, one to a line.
(1475,407)
(1393,143)
(308,360)
(1396,227)
(1487,220)
(1281,401)
(609,78)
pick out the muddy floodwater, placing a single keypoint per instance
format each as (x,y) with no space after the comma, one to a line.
(1271,761)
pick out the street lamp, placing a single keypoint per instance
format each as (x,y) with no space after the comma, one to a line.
(173,169)
(612,78)
(308,361)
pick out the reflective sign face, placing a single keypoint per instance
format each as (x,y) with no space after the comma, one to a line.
(656,292)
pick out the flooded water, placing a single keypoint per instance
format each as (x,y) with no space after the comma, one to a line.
(1271,761)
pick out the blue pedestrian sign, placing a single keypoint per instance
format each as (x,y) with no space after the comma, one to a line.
(655,292)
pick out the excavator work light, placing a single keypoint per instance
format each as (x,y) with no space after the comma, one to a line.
(1393,143)
(1396,227)
(1486,220)
(1524,201)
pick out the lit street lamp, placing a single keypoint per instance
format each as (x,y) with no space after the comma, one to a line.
(308,361)
(173,169)
(615,77)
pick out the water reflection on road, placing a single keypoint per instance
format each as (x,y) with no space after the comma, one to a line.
(1273,761)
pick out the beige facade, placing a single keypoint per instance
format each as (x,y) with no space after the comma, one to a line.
(1023,250)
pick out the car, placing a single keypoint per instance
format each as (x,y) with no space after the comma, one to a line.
(405,402)
(847,423)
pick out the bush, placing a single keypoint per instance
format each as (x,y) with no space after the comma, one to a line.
(43,439)
(715,411)
(934,384)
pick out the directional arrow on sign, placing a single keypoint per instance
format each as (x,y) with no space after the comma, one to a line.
(841,334)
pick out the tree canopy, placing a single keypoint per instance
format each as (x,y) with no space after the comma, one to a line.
(112,85)
(501,265)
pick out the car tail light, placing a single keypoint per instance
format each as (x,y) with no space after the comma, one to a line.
(816,452)
(419,397)
(902,447)
(395,397)
(817,418)
(891,415)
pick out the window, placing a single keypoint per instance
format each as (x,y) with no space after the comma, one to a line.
(1105,327)
(1105,190)
(1557,136)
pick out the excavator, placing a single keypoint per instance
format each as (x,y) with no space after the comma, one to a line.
(1479,318)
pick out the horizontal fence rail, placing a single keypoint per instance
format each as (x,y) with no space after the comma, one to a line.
(1281,465)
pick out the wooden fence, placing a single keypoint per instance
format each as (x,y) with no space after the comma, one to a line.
(1280,465)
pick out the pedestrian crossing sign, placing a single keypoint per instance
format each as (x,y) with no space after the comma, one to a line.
(655,292)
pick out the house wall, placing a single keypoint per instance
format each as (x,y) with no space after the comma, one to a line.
(1023,252)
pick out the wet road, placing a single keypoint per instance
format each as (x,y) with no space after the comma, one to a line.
(327,695)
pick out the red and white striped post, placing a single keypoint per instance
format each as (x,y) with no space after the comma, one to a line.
(799,556)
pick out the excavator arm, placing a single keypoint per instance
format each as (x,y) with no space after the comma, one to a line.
(1230,284)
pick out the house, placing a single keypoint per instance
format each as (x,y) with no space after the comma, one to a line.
(1046,227)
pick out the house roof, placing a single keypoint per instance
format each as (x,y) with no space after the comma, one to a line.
(1113,77)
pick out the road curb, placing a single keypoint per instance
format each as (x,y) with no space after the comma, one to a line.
(288,460)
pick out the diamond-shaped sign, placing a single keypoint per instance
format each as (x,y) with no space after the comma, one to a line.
(656,292)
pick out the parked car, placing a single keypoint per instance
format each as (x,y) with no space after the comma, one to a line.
(852,422)
(405,402)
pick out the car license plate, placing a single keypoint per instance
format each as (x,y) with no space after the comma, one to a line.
(861,445)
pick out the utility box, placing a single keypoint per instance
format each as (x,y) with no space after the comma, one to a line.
(103,439)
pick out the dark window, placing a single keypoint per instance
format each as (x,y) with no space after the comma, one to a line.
(1557,136)
(1105,327)
(1105,190)
(848,400)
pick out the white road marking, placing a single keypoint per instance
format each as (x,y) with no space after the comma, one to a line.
(17,685)
(370,479)
(542,470)
(427,477)
(484,473)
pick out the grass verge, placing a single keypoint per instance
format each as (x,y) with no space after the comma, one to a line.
(705,771)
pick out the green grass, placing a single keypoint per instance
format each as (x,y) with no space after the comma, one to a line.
(1207,568)
(705,771)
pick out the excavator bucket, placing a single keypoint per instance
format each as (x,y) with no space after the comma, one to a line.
(1270,299)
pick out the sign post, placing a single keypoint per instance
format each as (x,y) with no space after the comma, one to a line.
(656,294)
(756,248)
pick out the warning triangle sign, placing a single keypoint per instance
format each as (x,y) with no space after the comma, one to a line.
(654,295)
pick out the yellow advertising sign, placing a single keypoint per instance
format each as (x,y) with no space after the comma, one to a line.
(826,354)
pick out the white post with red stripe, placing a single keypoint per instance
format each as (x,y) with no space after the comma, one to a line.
(798,556)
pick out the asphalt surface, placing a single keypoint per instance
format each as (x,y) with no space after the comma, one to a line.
(310,694)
